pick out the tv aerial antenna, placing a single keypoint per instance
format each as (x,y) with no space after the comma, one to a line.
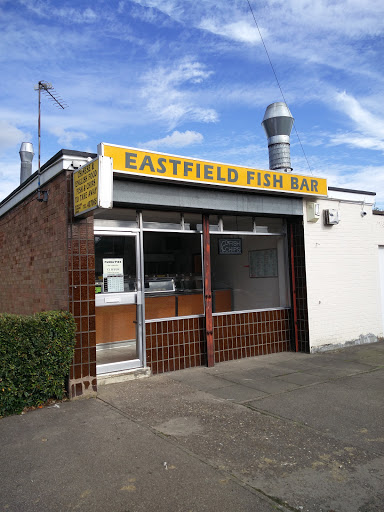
(49,90)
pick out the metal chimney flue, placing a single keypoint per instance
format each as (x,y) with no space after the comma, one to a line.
(26,157)
(277,124)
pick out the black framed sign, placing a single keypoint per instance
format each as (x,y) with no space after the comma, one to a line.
(231,246)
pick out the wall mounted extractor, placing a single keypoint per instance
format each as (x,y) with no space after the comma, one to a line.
(313,212)
(277,124)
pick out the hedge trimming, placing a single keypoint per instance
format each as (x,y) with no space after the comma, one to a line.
(35,356)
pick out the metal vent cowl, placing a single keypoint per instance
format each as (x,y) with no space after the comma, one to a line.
(277,124)
(26,157)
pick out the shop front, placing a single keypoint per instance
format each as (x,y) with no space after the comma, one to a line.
(168,262)
(165,262)
(194,264)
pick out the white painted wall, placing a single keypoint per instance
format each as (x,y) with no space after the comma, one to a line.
(381,267)
(343,277)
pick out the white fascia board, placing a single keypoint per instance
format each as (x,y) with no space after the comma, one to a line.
(353,197)
(61,164)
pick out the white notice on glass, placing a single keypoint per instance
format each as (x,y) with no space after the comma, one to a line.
(114,284)
(263,263)
(113,266)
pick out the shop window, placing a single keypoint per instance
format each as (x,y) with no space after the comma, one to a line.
(161,220)
(115,257)
(237,223)
(248,272)
(173,275)
(121,216)
(192,221)
(268,225)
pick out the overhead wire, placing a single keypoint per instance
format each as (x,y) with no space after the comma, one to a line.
(277,80)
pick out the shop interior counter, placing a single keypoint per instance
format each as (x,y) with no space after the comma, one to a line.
(162,300)
(191,302)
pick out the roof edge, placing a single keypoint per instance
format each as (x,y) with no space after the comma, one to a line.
(352,191)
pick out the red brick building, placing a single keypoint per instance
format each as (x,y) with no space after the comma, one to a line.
(183,292)
(169,262)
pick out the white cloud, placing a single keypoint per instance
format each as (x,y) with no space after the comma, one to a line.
(76,15)
(368,127)
(47,10)
(176,140)
(241,30)
(67,137)
(357,140)
(367,122)
(171,93)
(9,176)
(10,135)
(172,8)
(350,18)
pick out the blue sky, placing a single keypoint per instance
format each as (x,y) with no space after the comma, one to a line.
(192,78)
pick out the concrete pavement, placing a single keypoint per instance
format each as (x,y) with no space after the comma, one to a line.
(281,432)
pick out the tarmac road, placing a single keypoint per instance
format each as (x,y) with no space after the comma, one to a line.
(280,432)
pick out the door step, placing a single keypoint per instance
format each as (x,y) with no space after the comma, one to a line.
(113,378)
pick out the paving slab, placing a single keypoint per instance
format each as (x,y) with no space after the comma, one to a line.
(267,371)
(200,380)
(314,447)
(351,408)
(308,468)
(238,393)
(88,456)
(302,379)
(264,384)
(203,441)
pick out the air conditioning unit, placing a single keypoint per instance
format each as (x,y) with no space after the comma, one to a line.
(331,217)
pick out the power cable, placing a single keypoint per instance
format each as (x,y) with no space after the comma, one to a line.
(277,80)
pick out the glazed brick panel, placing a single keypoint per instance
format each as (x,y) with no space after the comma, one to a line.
(301,287)
(175,344)
(81,279)
(239,335)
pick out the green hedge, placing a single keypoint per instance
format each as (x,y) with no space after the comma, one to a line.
(35,356)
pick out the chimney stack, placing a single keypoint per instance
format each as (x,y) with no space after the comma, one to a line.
(26,157)
(277,124)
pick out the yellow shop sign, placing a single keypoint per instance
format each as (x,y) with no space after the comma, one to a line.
(93,186)
(190,170)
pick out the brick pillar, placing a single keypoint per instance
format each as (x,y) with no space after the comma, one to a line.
(296,226)
(81,277)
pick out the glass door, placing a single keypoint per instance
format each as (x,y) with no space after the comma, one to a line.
(118,302)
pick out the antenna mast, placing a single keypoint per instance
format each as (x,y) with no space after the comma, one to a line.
(59,103)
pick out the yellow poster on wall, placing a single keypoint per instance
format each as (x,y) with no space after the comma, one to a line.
(190,170)
(85,188)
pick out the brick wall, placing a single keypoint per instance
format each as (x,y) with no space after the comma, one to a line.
(47,262)
(175,344)
(343,276)
(254,333)
(180,343)
(33,253)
